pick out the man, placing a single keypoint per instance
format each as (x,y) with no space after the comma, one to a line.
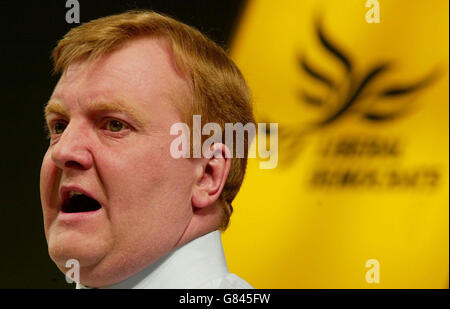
(113,197)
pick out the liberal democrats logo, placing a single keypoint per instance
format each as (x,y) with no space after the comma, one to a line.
(353,95)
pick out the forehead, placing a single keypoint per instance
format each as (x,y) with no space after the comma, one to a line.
(142,71)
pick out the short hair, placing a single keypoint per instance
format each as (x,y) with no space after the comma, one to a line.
(219,91)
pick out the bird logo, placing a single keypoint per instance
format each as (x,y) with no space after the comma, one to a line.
(353,94)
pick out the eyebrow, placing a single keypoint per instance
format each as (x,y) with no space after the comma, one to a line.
(57,107)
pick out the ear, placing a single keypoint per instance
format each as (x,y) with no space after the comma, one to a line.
(213,173)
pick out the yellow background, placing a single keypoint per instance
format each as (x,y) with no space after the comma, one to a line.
(286,234)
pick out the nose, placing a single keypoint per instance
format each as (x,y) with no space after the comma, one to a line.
(72,151)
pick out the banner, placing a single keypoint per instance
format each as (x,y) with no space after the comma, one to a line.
(360,195)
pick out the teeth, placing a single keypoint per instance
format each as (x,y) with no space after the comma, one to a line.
(73,193)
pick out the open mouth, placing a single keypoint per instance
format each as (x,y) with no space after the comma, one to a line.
(78,202)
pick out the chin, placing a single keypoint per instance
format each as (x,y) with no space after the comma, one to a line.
(65,246)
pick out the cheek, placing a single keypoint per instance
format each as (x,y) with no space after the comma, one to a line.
(148,195)
(147,163)
(48,188)
(45,177)
(146,176)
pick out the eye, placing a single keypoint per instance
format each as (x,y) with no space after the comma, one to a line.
(116,125)
(59,127)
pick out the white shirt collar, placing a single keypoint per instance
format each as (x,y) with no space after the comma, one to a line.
(186,267)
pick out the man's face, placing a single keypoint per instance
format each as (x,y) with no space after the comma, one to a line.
(110,122)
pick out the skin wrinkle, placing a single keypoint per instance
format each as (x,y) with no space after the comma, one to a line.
(117,105)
